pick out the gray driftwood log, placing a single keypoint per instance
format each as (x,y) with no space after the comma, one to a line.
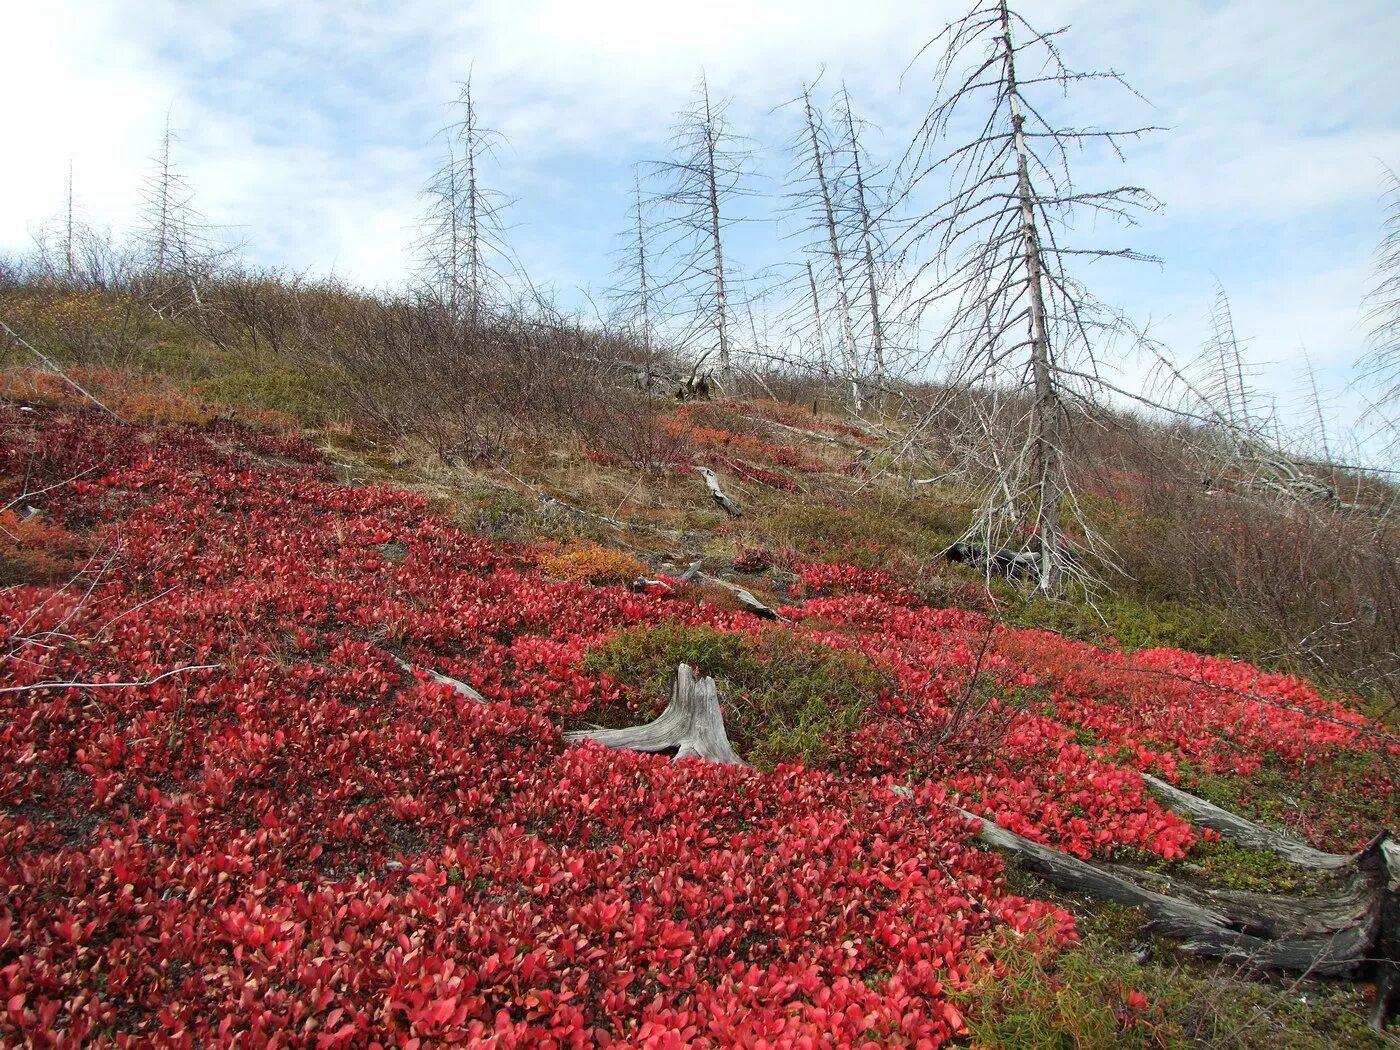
(461,687)
(717,493)
(1244,832)
(691,726)
(746,598)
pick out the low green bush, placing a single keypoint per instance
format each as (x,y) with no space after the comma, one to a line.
(785,698)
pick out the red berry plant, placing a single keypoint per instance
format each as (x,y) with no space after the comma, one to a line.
(235,809)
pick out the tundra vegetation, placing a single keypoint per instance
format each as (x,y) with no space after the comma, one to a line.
(1012,707)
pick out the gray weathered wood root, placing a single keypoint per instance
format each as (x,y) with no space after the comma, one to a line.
(717,493)
(441,679)
(1244,832)
(691,726)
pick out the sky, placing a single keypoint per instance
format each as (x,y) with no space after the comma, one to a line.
(307,131)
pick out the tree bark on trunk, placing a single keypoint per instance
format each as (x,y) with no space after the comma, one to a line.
(843,300)
(721,304)
(1045,413)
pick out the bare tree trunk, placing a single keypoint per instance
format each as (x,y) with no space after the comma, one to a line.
(817,319)
(163,219)
(877,332)
(843,301)
(642,280)
(68,229)
(1045,420)
(473,242)
(712,179)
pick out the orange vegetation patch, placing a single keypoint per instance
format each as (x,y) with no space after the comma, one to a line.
(132,398)
(34,550)
(587,561)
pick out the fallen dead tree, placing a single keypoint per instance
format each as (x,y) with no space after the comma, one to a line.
(1351,931)
(745,596)
(458,686)
(717,493)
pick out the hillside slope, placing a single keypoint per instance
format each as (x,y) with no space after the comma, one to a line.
(229,812)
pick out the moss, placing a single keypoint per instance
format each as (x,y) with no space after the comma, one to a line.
(785,698)
(1226,865)
(915,528)
(1134,624)
(1080,999)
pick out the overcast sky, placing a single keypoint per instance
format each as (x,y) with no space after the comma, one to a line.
(308,127)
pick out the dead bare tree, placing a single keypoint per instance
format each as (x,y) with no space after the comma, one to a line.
(462,244)
(178,245)
(865,207)
(818,334)
(1236,443)
(634,276)
(68,256)
(709,170)
(814,198)
(1380,367)
(991,266)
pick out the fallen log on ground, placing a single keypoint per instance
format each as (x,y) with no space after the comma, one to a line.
(717,494)
(1244,832)
(461,687)
(1353,931)
(746,598)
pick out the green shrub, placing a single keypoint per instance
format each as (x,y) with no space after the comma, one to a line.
(275,387)
(1085,999)
(1136,624)
(785,698)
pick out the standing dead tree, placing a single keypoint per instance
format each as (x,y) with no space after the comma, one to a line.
(632,291)
(708,171)
(990,268)
(1380,367)
(462,242)
(864,206)
(1233,440)
(814,198)
(177,244)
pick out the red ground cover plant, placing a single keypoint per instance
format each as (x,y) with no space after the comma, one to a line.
(302,843)
(824,578)
(752,472)
(681,424)
(754,560)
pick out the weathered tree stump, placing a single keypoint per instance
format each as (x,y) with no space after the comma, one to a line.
(691,726)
